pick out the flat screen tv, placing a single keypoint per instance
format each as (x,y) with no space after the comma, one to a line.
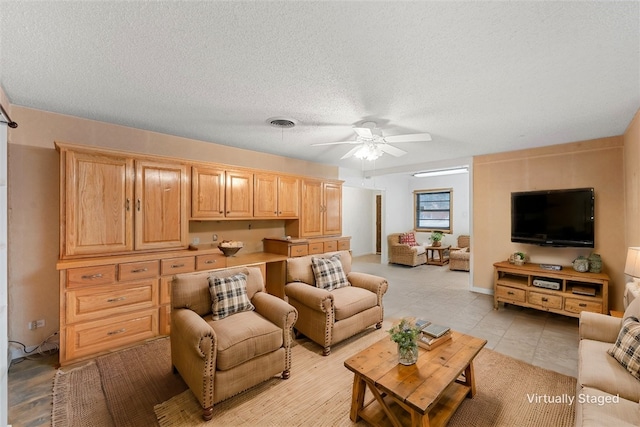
(563,218)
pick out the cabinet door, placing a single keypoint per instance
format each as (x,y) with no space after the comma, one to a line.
(288,196)
(238,194)
(160,213)
(311,215)
(98,204)
(332,209)
(265,201)
(207,192)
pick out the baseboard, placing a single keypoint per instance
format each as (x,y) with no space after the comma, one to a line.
(17,353)
(481,290)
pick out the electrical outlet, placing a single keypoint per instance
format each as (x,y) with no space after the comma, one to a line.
(35,324)
(196,240)
(40,323)
(215,237)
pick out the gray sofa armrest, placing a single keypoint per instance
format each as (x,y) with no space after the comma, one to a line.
(312,297)
(599,327)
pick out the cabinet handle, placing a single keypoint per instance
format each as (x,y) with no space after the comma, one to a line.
(275,213)
(582,304)
(510,293)
(221,212)
(228,212)
(127,204)
(92,276)
(210,261)
(279,212)
(119,331)
(116,299)
(138,205)
(177,265)
(140,270)
(545,300)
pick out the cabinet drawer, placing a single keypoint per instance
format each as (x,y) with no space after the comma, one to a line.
(545,300)
(178,265)
(89,338)
(331,246)
(98,275)
(344,245)
(210,261)
(165,289)
(298,250)
(575,305)
(315,248)
(105,301)
(511,294)
(138,270)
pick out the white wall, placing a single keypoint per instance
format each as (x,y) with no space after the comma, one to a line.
(359,219)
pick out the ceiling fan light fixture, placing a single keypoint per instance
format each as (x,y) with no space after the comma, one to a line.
(439,172)
(368,152)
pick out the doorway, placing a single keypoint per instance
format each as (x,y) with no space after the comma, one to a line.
(378,223)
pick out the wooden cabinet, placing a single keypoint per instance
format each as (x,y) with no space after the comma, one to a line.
(97,195)
(115,203)
(321,208)
(161,214)
(275,196)
(301,247)
(218,193)
(576,291)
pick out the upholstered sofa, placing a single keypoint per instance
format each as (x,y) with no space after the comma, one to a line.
(607,394)
(402,253)
(329,316)
(220,358)
(459,256)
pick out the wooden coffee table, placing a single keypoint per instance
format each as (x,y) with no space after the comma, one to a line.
(424,394)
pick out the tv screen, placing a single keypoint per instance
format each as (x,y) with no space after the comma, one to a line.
(562,218)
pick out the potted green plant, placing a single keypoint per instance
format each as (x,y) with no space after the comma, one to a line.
(405,334)
(519,258)
(436,238)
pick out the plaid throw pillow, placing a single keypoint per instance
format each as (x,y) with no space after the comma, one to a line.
(626,349)
(229,295)
(408,239)
(328,273)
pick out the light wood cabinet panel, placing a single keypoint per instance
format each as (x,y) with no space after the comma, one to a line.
(138,270)
(178,265)
(97,191)
(330,246)
(265,203)
(238,194)
(94,275)
(311,217)
(161,205)
(165,320)
(316,248)
(332,210)
(288,196)
(207,192)
(210,261)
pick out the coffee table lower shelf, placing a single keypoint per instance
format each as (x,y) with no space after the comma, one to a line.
(439,414)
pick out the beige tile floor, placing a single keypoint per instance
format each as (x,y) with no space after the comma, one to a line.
(438,294)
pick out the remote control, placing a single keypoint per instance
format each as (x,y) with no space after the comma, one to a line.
(550,267)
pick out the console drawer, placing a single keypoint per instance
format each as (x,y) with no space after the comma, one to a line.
(138,270)
(316,248)
(210,261)
(98,275)
(105,301)
(344,245)
(88,338)
(331,246)
(178,265)
(545,300)
(511,294)
(298,250)
(575,305)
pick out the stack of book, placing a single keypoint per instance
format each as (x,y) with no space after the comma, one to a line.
(432,335)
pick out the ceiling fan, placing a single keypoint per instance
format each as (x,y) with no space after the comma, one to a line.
(371,143)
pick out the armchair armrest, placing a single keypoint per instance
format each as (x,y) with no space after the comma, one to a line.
(402,249)
(197,336)
(312,297)
(376,284)
(599,327)
(276,310)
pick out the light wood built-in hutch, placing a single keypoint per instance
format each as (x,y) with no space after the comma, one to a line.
(124,234)
(513,284)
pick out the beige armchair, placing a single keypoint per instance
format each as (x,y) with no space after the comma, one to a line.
(459,257)
(220,358)
(328,317)
(400,253)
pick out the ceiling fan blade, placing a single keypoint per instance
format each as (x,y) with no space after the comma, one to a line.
(364,132)
(390,149)
(335,143)
(414,137)
(350,153)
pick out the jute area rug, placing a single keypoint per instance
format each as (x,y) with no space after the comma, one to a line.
(317,394)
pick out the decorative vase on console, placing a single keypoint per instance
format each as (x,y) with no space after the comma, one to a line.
(581,264)
(595,263)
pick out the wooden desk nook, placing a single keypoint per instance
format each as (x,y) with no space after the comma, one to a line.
(424,394)
(442,259)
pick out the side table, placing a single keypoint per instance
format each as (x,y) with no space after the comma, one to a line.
(442,259)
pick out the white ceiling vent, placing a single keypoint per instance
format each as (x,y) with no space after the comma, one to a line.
(281,122)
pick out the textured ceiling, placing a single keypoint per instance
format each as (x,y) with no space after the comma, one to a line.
(480,77)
